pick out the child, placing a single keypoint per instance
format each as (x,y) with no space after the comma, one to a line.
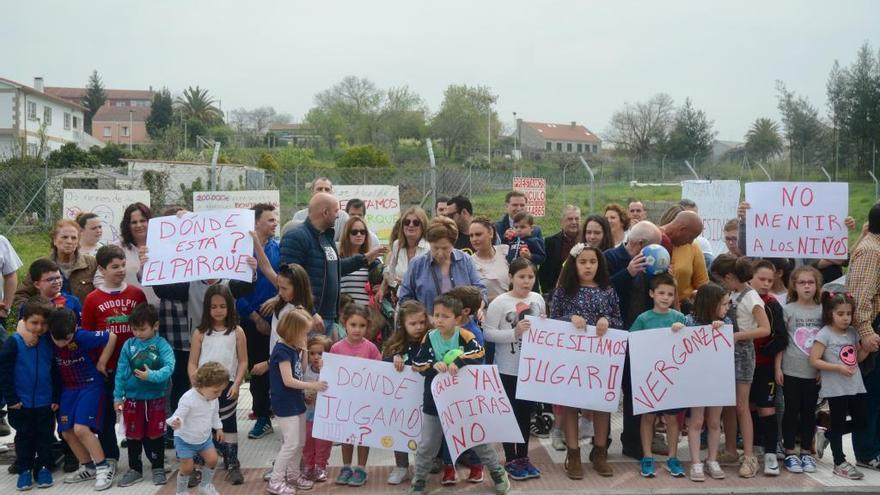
(430,360)
(316,453)
(505,325)
(749,323)
(400,349)
(81,406)
(142,375)
(521,242)
(107,308)
(803,319)
(663,292)
(196,424)
(48,281)
(584,297)
(836,353)
(26,380)
(710,308)
(471,301)
(288,403)
(219,338)
(356,319)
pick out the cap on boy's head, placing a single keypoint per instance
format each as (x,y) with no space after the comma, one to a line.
(62,324)
(36,306)
(106,255)
(40,267)
(449,302)
(664,278)
(143,314)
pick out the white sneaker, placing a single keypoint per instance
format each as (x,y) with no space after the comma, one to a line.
(398,475)
(556,440)
(714,469)
(103,478)
(771,465)
(585,428)
(207,489)
(80,475)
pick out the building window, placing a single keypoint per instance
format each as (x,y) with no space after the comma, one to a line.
(119,103)
(549,146)
(32,110)
(580,147)
(108,132)
(66,121)
(568,147)
(595,148)
(558,146)
(76,122)
(125,131)
(47,115)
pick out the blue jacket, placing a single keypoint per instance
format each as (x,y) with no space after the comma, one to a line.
(264,289)
(26,373)
(129,386)
(302,245)
(502,225)
(535,245)
(617,260)
(421,285)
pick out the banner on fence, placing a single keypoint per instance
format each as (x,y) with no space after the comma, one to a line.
(559,364)
(688,368)
(369,403)
(474,409)
(221,200)
(108,204)
(797,220)
(717,201)
(383,206)
(535,189)
(199,246)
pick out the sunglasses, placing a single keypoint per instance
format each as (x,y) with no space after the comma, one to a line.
(357,232)
(415,222)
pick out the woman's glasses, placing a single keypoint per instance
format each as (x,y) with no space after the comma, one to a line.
(357,232)
(415,222)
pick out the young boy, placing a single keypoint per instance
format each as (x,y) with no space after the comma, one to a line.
(27,384)
(142,375)
(438,347)
(48,281)
(107,308)
(521,241)
(663,292)
(82,397)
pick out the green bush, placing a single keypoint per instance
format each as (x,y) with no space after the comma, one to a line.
(363,156)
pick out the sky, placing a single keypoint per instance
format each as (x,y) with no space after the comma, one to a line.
(548,61)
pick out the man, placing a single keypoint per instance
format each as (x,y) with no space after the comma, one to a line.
(440,206)
(311,245)
(688,263)
(637,212)
(357,208)
(558,246)
(9,265)
(515,202)
(863,282)
(460,209)
(256,327)
(319,185)
(705,245)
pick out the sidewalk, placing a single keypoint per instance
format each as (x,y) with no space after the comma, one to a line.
(256,456)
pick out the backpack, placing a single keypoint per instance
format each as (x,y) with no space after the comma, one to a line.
(778,333)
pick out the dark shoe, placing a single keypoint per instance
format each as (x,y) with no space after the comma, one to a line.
(573,467)
(234,476)
(599,458)
(194,479)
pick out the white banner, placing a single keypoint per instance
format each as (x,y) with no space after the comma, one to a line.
(222,200)
(199,246)
(559,364)
(689,368)
(474,409)
(108,204)
(368,403)
(535,189)
(717,201)
(383,206)
(797,220)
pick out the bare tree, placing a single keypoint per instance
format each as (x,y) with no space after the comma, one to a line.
(640,128)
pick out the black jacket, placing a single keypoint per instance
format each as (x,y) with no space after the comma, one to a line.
(548,273)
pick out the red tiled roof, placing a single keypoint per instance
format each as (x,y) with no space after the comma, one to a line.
(112,94)
(120,114)
(287,127)
(49,96)
(564,132)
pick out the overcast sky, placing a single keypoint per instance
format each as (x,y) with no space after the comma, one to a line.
(551,61)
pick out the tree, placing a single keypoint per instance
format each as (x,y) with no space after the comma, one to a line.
(110,155)
(803,130)
(763,140)
(854,95)
(267,162)
(161,113)
(402,117)
(349,109)
(93,100)
(252,125)
(691,133)
(641,129)
(71,156)
(198,104)
(462,119)
(366,156)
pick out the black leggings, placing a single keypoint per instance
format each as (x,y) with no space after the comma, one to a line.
(799,418)
(522,410)
(854,405)
(153,447)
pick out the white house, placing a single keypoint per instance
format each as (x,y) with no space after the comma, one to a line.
(29,117)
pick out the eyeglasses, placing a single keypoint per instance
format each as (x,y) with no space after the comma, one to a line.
(730,239)
(53,280)
(805,282)
(357,232)
(415,222)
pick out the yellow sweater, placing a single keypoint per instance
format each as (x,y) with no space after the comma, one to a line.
(689,269)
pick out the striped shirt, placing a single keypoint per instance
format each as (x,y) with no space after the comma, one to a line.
(354,284)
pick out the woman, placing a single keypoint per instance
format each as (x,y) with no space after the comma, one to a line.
(597,233)
(133,237)
(438,271)
(91,230)
(618,219)
(77,269)
(355,239)
(409,244)
(490,260)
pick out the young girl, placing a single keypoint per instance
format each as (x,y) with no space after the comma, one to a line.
(317,450)
(505,324)
(803,319)
(584,297)
(749,323)
(837,353)
(356,319)
(220,339)
(710,308)
(196,424)
(401,347)
(288,402)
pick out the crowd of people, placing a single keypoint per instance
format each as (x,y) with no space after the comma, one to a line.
(94,347)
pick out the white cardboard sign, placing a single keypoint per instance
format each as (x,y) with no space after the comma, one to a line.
(535,189)
(383,206)
(221,200)
(717,201)
(108,204)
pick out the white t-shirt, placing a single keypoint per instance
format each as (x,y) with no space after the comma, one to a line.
(398,262)
(495,272)
(503,314)
(198,417)
(745,320)
(9,260)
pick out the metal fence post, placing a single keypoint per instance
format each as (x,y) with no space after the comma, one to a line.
(433,172)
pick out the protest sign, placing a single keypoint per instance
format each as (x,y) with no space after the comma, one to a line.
(535,190)
(383,206)
(474,409)
(199,246)
(797,220)
(108,204)
(716,201)
(559,364)
(369,403)
(689,368)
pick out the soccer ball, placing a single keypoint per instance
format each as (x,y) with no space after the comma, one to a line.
(148,357)
(657,257)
